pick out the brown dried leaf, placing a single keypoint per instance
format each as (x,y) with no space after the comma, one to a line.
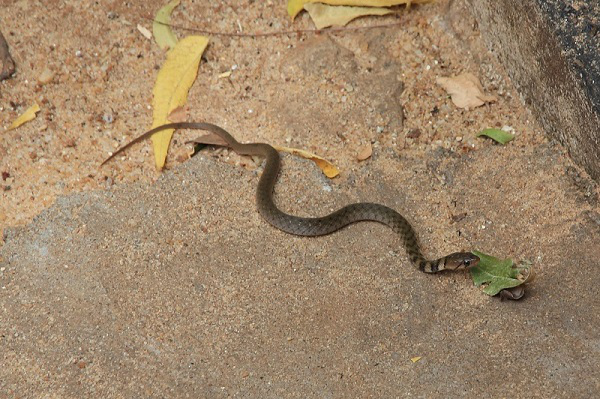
(179,114)
(466,90)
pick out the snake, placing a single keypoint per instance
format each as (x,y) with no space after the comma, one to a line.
(323,225)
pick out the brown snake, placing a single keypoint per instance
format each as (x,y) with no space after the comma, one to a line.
(317,226)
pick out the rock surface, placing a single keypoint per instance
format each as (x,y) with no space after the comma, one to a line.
(179,288)
(129,287)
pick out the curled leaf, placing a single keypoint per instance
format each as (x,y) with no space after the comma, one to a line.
(295,6)
(324,15)
(171,88)
(465,90)
(327,167)
(164,36)
(527,274)
(497,135)
(26,116)
(514,293)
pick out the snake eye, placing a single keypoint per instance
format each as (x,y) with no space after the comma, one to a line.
(467,262)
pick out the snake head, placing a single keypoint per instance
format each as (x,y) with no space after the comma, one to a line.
(461,260)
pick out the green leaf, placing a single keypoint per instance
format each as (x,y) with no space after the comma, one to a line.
(164,36)
(498,135)
(497,273)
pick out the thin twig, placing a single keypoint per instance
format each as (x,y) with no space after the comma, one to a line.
(279,33)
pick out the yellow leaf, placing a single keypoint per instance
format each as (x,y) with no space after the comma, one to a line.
(26,116)
(324,15)
(171,88)
(165,38)
(225,74)
(295,6)
(327,167)
(415,359)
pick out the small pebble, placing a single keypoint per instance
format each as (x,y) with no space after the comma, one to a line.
(108,118)
(365,152)
(46,76)
(413,133)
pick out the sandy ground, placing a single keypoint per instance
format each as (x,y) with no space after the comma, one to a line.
(188,292)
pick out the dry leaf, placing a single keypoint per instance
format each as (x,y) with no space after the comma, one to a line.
(514,293)
(295,6)
(465,90)
(327,167)
(179,114)
(26,116)
(365,152)
(416,359)
(164,36)
(145,32)
(171,88)
(324,15)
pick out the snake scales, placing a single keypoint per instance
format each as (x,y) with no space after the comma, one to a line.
(318,226)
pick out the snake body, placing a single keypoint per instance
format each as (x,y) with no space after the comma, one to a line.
(317,226)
